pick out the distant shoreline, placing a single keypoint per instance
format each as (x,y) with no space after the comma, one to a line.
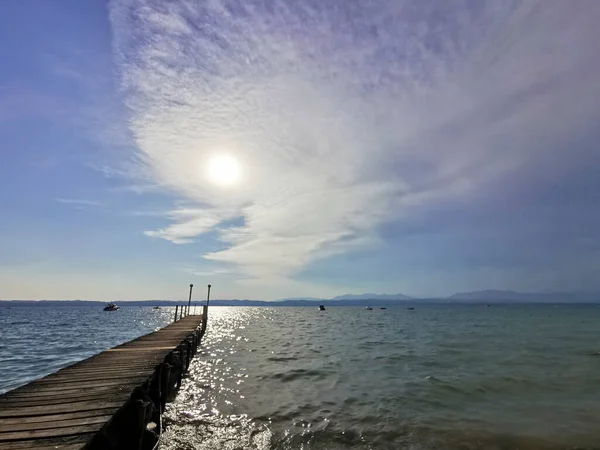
(292,303)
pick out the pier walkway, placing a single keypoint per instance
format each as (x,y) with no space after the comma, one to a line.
(110,401)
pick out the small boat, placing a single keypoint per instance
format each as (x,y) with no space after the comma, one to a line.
(156,307)
(321,307)
(383,307)
(111,307)
(410,308)
(368,308)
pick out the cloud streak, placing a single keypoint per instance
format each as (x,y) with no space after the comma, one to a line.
(345,116)
(79,202)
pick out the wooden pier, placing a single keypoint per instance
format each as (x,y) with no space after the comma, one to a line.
(111,401)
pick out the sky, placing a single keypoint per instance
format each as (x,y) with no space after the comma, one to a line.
(287,149)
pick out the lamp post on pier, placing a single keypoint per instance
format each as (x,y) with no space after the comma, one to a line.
(190,299)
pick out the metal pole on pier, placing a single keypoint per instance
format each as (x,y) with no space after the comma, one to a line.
(190,299)
(205,312)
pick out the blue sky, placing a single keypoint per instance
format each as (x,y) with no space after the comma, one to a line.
(395,146)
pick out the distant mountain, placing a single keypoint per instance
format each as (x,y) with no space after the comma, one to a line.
(491,295)
(370,296)
(488,294)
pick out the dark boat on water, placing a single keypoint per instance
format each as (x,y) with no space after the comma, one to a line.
(321,308)
(410,308)
(156,307)
(111,307)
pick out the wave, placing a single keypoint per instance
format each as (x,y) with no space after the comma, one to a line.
(210,432)
(282,358)
(298,374)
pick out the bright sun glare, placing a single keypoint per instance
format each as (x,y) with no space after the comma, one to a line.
(223,170)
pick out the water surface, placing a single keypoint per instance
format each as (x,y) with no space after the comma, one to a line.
(438,377)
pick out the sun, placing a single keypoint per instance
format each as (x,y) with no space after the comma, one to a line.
(223,170)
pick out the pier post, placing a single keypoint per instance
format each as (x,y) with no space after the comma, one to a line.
(141,412)
(165,384)
(190,298)
(204,320)
(176,308)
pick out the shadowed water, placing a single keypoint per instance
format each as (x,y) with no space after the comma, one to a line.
(443,377)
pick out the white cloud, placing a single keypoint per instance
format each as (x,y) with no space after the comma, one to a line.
(344,116)
(189,223)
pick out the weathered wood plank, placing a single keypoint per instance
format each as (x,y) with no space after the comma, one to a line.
(59,399)
(41,394)
(89,379)
(49,433)
(55,409)
(35,420)
(65,385)
(20,426)
(73,443)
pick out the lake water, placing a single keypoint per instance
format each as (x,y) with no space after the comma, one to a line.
(438,377)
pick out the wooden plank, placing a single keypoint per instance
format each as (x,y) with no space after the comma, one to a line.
(72,443)
(88,379)
(35,420)
(49,433)
(55,409)
(21,426)
(136,349)
(65,385)
(42,394)
(36,446)
(114,367)
(58,399)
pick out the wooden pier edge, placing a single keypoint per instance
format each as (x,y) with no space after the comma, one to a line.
(111,401)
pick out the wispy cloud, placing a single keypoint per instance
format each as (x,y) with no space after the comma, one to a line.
(209,273)
(346,115)
(79,202)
